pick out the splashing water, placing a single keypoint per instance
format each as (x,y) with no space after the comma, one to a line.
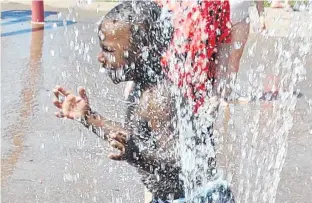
(261,141)
(196,146)
(260,130)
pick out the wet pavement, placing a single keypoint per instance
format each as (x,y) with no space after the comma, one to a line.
(45,159)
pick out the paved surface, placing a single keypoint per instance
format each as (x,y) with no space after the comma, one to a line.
(45,159)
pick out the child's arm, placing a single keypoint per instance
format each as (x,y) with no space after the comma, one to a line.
(141,153)
(149,143)
(99,125)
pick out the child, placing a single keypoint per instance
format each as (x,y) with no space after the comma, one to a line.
(133,38)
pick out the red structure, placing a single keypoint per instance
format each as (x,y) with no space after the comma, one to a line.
(37,11)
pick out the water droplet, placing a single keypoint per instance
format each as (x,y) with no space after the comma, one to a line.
(248,20)
(98,9)
(51,36)
(63,75)
(145,53)
(52,52)
(237,45)
(126,54)
(101,35)
(92,40)
(42,145)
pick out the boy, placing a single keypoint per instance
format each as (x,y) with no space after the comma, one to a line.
(133,38)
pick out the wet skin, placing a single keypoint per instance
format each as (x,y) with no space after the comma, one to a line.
(154,106)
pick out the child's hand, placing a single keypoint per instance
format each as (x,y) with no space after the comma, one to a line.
(118,141)
(71,106)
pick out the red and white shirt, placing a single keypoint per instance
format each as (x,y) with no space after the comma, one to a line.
(198,29)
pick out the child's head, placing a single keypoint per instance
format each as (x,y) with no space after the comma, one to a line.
(132,38)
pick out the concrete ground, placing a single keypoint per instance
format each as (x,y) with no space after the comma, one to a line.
(45,159)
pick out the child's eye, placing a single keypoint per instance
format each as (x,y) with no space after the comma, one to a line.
(107,49)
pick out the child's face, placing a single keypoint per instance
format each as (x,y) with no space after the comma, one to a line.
(115,46)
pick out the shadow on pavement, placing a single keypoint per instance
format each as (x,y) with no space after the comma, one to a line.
(12,17)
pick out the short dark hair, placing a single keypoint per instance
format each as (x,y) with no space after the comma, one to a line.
(150,27)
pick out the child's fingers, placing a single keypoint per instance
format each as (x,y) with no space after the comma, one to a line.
(117,145)
(114,156)
(118,141)
(82,93)
(56,93)
(57,103)
(119,136)
(59,114)
(63,91)
(70,99)
(120,147)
